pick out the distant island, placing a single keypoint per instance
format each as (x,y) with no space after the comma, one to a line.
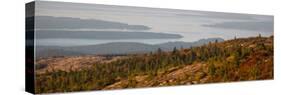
(102,35)
(50,22)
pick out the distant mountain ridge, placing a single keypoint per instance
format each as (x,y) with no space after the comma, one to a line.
(117,48)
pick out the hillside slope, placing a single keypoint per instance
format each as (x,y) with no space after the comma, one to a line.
(233,60)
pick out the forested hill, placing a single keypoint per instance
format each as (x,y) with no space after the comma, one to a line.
(239,59)
(116,48)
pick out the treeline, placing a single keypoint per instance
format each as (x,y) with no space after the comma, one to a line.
(225,61)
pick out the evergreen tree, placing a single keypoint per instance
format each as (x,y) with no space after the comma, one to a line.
(175,50)
(159,50)
(259,36)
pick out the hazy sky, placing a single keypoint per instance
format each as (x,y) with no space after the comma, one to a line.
(193,25)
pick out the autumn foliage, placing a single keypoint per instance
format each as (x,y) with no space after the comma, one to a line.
(239,59)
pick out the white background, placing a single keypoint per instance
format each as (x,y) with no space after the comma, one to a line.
(12,30)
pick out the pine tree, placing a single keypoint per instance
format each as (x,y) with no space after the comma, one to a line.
(259,36)
(212,69)
(175,50)
(159,50)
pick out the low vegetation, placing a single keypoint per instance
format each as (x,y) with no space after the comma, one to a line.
(233,60)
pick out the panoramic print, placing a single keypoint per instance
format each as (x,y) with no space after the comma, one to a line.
(83,47)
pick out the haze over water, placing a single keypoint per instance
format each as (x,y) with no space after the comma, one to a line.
(191,25)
